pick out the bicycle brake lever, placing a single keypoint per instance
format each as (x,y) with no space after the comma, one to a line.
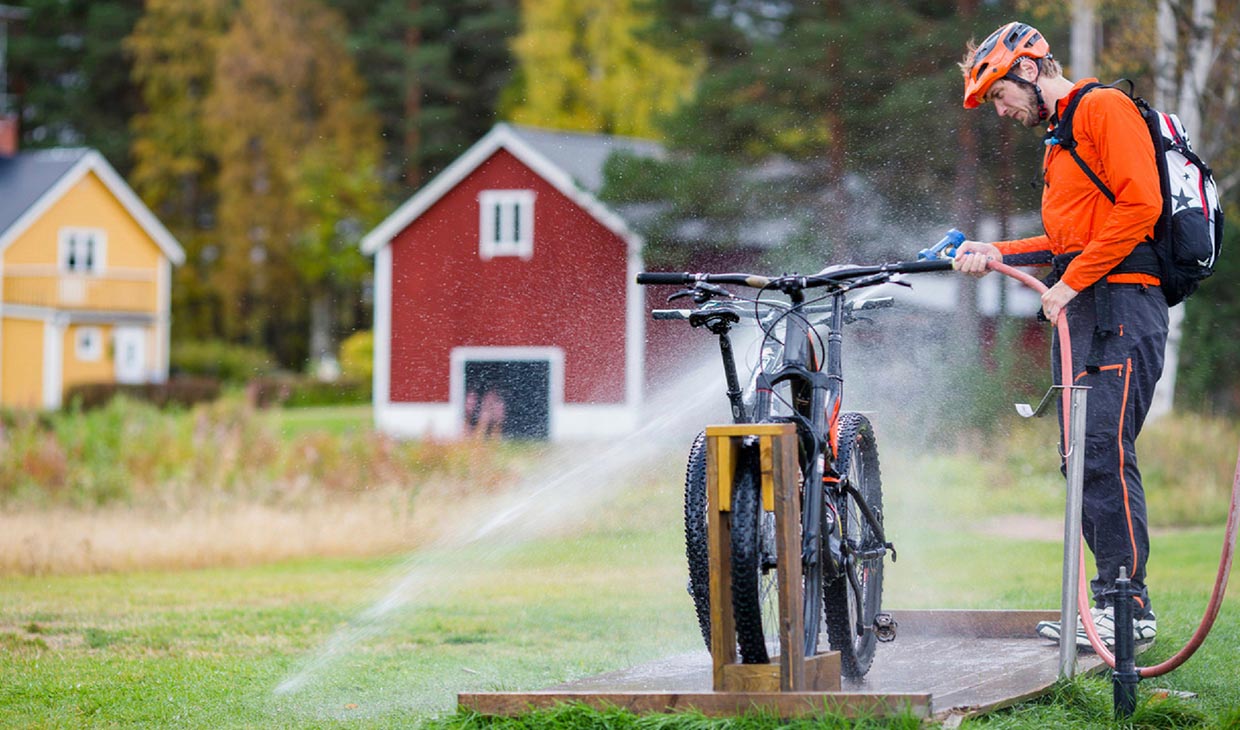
(703,292)
(680,295)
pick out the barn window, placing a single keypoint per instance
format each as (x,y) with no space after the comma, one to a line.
(506,223)
(82,250)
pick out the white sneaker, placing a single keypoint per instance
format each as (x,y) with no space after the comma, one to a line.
(1143,630)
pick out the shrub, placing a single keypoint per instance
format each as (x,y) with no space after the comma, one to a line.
(181,391)
(232,364)
(357,356)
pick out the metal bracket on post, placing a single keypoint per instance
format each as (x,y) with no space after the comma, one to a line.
(1072,531)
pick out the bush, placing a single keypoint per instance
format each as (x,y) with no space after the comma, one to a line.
(357,356)
(181,391)
(232,364)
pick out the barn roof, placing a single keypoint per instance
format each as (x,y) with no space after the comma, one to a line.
(583,155)
(30,182)
(572,162)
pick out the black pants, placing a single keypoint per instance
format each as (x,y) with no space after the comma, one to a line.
(1129,361)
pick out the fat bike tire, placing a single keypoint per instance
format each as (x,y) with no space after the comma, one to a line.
(755,589)
(857,464)
(696,546)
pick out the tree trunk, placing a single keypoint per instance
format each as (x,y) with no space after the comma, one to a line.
(1187,103)
(1083,39)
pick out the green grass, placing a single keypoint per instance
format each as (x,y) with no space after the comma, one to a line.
(337,420)
(388,642)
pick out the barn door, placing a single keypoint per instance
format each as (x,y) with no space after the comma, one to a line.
(509,398)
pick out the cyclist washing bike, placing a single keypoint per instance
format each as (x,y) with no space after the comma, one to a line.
(1105,282)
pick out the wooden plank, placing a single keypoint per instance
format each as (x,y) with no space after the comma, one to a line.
(822,672)
(749,678)
(781,454)
(1002,624)
(714,704)
(747,429)
(719,555)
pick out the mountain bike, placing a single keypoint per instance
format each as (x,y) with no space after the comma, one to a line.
(799,379)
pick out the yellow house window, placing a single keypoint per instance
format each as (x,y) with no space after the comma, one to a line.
(88,344)
(83,250)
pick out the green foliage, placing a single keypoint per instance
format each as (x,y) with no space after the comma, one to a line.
(71,76)
(357,356)
(434,73)
(296,391)
(233,364)
(1210,348)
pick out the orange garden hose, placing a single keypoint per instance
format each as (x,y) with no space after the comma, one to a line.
(1229,544)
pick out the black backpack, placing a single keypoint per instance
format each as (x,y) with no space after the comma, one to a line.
(1188,236)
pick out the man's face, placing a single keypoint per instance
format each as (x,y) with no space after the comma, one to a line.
(1014,100)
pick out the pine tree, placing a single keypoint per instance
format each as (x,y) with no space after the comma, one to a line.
(68,70)
(435,70)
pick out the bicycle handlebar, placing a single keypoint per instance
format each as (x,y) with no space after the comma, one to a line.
(839,275)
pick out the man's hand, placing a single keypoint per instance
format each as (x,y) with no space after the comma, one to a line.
(971,257)
(1056,298)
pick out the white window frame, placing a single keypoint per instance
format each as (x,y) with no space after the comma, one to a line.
(75,243)
(506,224)
(88,344)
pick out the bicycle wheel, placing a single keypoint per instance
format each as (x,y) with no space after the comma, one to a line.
(696,550)
(857,465)
(755,588)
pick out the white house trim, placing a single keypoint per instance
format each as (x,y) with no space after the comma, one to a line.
(53,363)
(382,332)
(94,162)
(501,136)
(553,356)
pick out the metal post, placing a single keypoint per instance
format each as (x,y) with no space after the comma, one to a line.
(1072,532)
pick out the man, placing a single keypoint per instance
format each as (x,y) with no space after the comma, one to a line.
(1105,283)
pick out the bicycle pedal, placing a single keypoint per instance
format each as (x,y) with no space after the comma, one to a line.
(885,627)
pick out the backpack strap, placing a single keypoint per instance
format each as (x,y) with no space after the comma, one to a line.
(1061,134)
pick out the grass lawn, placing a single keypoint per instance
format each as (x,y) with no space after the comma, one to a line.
(388,642)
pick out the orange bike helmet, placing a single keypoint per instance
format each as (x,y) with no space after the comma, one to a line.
(995,57)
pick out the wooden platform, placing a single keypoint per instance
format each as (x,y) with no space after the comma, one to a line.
(942,664)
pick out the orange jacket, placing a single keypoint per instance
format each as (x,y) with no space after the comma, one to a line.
(1113,140)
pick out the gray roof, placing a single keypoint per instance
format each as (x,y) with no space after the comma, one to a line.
(583,154)
(25,177)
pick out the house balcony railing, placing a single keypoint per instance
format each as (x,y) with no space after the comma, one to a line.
(81,292)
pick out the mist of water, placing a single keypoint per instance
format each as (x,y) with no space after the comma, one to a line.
(561,491)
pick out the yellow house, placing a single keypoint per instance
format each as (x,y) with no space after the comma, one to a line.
(85,278)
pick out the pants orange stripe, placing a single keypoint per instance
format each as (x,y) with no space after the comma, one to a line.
(1124,481)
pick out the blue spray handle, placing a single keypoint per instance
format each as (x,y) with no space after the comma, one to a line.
(943,249)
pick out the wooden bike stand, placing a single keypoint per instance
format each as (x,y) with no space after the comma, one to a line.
(777,444)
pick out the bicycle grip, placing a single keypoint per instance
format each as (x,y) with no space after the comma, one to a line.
(914,267)
(664,277)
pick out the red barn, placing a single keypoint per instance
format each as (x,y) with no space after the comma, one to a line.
(505,298)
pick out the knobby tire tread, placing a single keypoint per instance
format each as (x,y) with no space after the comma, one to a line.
(696,547)
(856,441)
(746,560)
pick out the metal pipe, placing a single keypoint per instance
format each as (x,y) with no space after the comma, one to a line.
(1072,531)
(1124,679)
